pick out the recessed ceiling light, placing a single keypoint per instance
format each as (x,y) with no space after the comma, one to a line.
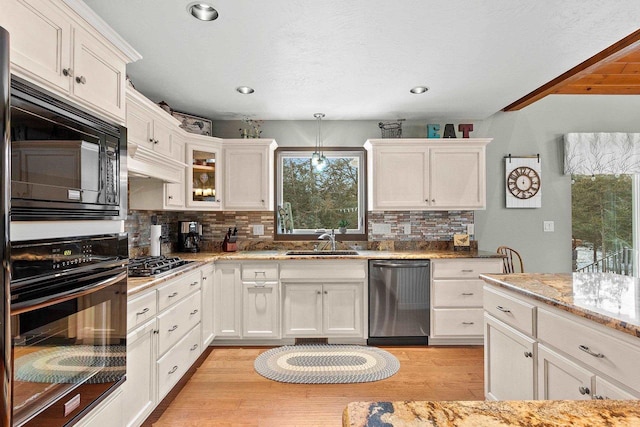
(245,90)
(202,11)
(419,89)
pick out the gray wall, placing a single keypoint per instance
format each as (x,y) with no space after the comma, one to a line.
(538,128)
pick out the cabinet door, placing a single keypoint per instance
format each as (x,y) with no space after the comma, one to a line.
(139,126)
(342,309)
(561,379)
(607,390)
(260,310)
(162,135)
(139,389)
(457,178)
(174,195)
(107,413)
(207,305)
(40,41)
(302,309)
(99,74)
(203,176)
(227,300)
(508,362)
(246,178)
(400,178)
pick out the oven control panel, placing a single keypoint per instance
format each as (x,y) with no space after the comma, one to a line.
(72,255)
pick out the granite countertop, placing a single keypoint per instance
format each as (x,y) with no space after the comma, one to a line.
(576,413)
(606,298)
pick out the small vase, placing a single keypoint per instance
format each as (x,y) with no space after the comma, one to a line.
(342,230)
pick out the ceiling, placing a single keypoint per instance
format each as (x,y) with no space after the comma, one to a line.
(357,59)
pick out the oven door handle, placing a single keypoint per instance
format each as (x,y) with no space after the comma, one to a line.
(387,264)
(47,301)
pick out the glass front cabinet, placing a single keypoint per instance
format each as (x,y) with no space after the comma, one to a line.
(204,184)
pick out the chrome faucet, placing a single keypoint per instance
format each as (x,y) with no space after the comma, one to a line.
(332,238)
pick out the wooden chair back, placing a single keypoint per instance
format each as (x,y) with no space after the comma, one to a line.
(512,262)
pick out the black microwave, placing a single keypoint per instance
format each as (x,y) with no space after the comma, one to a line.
(65,163)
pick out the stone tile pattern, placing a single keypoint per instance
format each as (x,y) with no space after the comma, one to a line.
(580,413)
(426,228)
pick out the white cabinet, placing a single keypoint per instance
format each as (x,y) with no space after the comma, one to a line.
(208,278)
(456,299)
(107,413)
(204,176)
(509,367)
(248,174)
(227,301)
(140,387)
(56,48)
(324,299)
(427,174)
(561,379)
(260,310)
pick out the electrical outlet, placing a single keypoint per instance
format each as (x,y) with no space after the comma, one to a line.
(548,226)
(381,229)
(407,228)
(471,229)
(258,229)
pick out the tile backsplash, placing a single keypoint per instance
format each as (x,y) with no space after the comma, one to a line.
(423,228)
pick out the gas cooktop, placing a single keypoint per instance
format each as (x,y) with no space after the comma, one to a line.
(154,265)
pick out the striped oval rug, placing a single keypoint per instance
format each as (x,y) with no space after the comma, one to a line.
(326,364)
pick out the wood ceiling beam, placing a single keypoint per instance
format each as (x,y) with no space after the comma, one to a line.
(613,53)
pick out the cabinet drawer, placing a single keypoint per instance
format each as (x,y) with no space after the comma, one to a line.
(468,268)
(455,321)
(457,293)
(603,352)
(173,365)
(510,310)
(607,390)
(259,272)
(177,289)
(173,323)
(140,309)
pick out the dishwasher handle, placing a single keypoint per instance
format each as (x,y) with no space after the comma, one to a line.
(391,264)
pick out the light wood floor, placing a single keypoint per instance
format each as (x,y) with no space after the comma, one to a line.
(226,391)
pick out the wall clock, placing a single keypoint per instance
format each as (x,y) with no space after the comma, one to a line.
(523,182)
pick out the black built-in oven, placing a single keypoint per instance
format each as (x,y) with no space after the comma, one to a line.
(68,326)
(65,163)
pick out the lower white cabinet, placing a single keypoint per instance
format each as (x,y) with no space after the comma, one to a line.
(107,413)
(140,387)
(561,379)
(509,368)
(177,361)
(208,278)
(227,301)
(260,310)
(302,309)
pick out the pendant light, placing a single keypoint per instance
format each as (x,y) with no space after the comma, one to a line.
(317,158)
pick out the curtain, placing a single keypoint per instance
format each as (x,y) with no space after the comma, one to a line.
(601,153)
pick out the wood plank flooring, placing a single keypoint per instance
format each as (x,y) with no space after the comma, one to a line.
(226,391)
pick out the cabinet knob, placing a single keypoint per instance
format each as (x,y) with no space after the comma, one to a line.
(67,72)
(155,141)
(528,354)
(584,390)
(81,80)
(204,277)
(170,197)
(598,397)
(319,293)
(150,139)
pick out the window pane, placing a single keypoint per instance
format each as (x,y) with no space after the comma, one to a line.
(602,223)
(320,199)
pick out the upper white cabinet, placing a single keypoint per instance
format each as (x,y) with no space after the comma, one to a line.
(204,176)
(248,174)
(426,174)
(55,47)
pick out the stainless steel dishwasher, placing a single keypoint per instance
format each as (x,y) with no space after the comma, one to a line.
(398,302)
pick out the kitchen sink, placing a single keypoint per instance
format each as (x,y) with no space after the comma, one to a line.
(321,253)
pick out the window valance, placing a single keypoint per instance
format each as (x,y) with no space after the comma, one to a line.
(601,153)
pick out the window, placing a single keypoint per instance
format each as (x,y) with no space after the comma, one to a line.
(311,201)
(602,213)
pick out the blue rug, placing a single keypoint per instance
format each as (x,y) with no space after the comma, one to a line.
(326,364)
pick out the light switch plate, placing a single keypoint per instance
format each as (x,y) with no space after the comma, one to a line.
(258,229)
(471,229)
(407,228)
(381,229)
(548,226)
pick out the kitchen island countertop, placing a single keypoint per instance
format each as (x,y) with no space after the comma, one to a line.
(581,413)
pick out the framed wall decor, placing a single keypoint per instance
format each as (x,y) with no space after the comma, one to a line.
(194,124)
(523,182)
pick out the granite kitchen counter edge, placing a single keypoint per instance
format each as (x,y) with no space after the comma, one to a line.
(577,413)
(560,290)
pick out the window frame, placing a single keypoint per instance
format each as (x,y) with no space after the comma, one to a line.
(362,190)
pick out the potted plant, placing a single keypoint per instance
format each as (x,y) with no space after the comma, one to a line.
(342,226)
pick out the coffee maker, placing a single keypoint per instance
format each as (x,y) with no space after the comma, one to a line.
(189,236)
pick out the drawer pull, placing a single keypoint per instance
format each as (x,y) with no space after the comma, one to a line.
(194,347)
(193,312)
(502,309)
(175,294)
(194,283)
(528,354)
(467,294)
(584,390)
(175,368)
(174,328)
(467,271)
(468,323)
(140,313)
(589,352)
